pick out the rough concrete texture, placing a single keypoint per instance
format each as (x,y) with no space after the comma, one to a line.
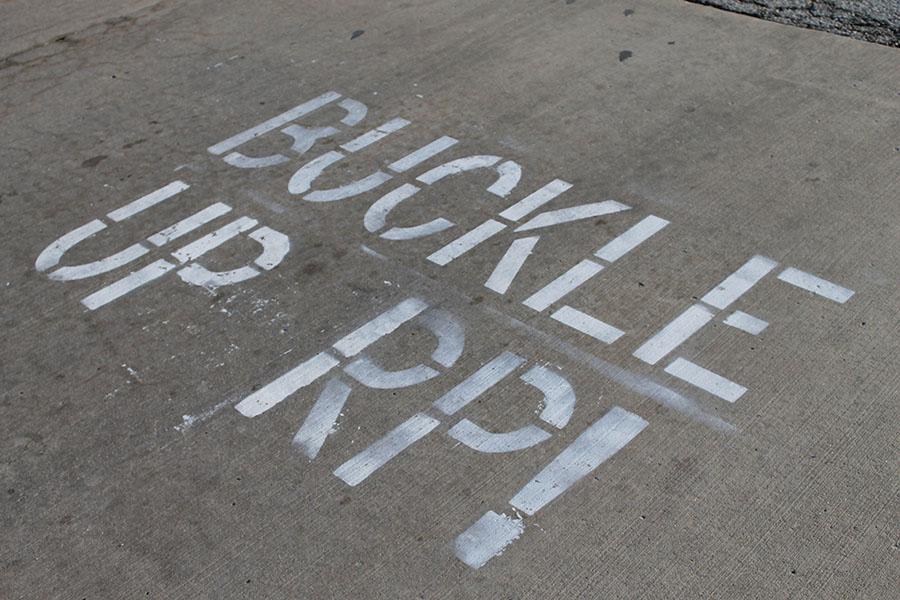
(871,20)
(127,469)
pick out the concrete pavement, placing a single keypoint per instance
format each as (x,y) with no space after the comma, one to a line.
(870,20)
(447,300)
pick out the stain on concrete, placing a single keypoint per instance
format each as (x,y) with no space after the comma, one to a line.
(94,161)
(313,268)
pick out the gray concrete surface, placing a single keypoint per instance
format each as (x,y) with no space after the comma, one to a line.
(127,471)
(25,25)
(871,20)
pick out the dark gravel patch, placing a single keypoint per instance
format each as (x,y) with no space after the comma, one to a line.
(870,20)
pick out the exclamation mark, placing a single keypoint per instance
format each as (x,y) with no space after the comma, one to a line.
(492,533)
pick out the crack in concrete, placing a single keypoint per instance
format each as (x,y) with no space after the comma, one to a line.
(43,51)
